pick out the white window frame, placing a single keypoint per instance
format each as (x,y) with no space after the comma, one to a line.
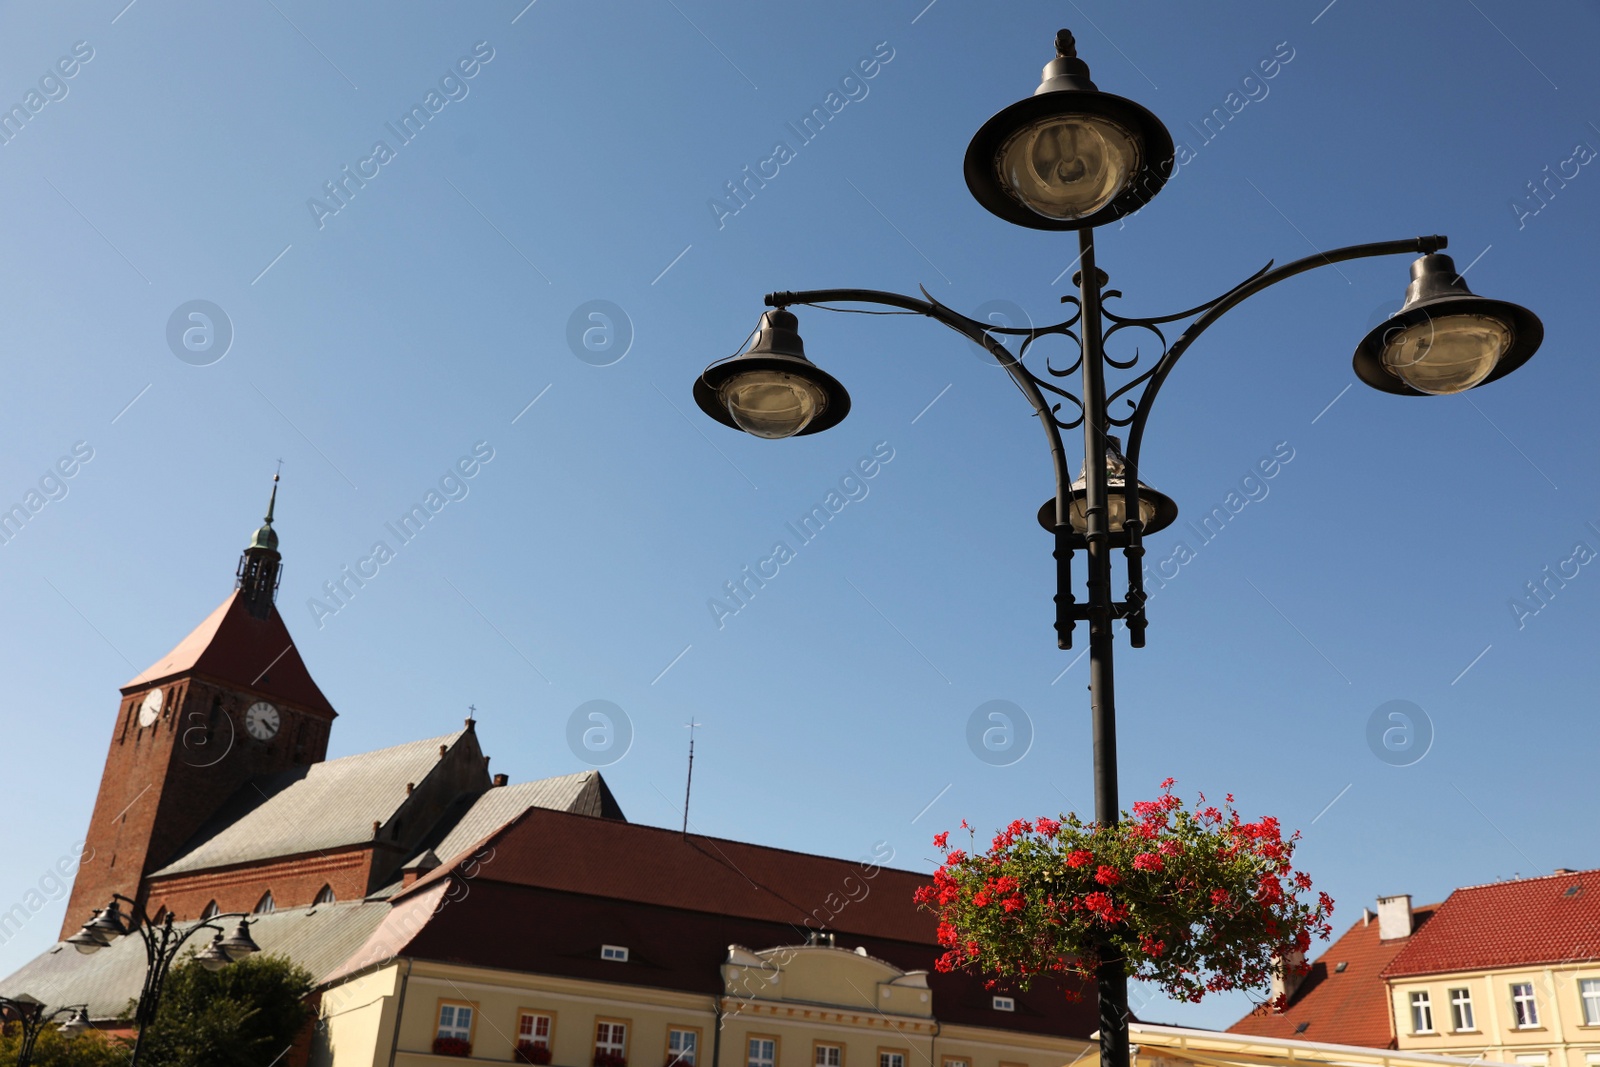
(891,1058)
(828,1055)
(1421,1013)
(688,1046)
(616,953)
(1524,1006)
(532,1037)
(1005,1004)
(1589,997)
(761,1051)
(1462,1018)
(456,1027)
(616,1037)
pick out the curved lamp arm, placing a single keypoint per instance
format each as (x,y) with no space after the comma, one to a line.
(972,330)
(1231,299)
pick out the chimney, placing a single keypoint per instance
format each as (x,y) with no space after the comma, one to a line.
(409,787)
(1287,974)
(501,779)
(442,750)
(1394,917)
(418,867)
(1367,916)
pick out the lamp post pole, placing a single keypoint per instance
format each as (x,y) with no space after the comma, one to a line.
(162,941)
(1072,157)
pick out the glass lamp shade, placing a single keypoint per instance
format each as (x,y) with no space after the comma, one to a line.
(77,1023)
(1446,355)
(771,403)
(772,391)
(1446,339)
(1069,157)
(1068,167)
(213,957)
(87,941)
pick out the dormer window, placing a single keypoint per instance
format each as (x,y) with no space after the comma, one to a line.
(210,911)
(324,896)
(265,906)
(1005,1004)
(616,953)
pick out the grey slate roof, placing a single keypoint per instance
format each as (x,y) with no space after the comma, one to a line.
(307,809)
(583,793)
(319,939)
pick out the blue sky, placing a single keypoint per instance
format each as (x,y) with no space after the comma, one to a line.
(374,345)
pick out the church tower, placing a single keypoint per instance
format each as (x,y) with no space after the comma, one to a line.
(232,701)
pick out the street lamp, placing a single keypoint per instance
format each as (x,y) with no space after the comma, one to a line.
(1072,158)
(30,1014)
(162,940)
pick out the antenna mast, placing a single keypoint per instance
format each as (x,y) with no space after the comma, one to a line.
(690,725)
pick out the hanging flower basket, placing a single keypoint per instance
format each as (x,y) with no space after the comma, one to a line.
(533,1052)
(1195,901)
(610,1059)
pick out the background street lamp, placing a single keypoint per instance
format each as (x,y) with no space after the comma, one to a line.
(1072,158)
(30,1014)
(162,941)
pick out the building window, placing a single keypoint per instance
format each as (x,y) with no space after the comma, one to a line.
(1421,1013)
(1534,1059)
(1461,1010)
(682,1045)
(209,911)
(1523,1005)
(1005,1004)
(324,896)
(1589,992)
(956,1063)
(829,1056)
(610,1044)
(891,1058)
(455,1021)
(618,953)
(265,906)
(533,1029)
(763,1052)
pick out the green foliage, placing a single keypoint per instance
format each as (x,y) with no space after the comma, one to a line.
(244,1015)
(56,1050)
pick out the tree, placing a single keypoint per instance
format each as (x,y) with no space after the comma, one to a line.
(54,1049)
(243,1015)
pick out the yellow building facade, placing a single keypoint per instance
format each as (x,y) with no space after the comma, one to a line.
(1537,1016)
(792,1006)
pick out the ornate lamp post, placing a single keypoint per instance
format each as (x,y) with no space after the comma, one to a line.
(1072,158)
(162,940)
(30,1014)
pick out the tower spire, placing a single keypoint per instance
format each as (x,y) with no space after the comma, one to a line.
(260,567)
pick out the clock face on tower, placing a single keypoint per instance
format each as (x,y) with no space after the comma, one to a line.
(150,710)
(262,721)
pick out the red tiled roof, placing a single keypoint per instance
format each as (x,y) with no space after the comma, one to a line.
(232,645)
(544,892)
(1349,1007)
(1553,919)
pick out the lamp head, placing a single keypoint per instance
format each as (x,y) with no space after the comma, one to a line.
(76,1023)
(1069,157)
(772,390)
(1157,511)
(239,943)
(213,957)
(1446,339)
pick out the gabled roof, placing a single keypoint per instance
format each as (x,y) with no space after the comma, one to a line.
(318,938)
(308,809)
(474,819)
(1349,1007)
(546,890)
(233,646)
(1531,921)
